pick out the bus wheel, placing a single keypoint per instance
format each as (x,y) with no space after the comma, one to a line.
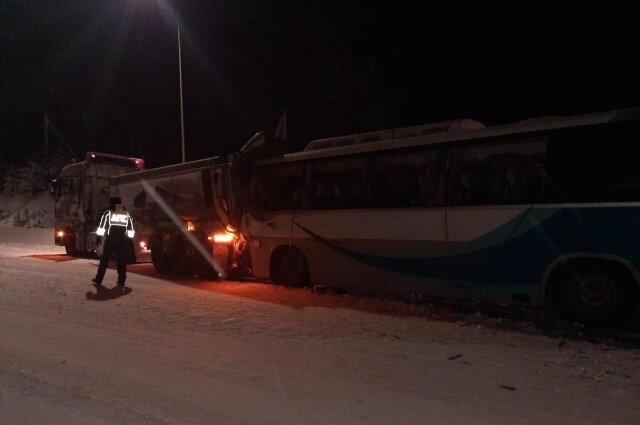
(159,257)
(597,294)
(289,267)
(70,245)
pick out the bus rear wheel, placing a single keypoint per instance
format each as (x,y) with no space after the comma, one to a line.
(289,267)
(598,294)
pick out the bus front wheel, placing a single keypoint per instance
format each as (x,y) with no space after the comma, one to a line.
(598,294)
(289,267)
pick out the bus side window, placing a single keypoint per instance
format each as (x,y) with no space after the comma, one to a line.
(397,179)
(434,178)
(324,196)
(338,184)
(594,164)
(465,188)
(279,188)
(500,173)
(512,183)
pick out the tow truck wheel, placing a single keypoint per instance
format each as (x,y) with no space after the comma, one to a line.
(203,269)
(70,245)
(179,258)
(159,257)
(201,266)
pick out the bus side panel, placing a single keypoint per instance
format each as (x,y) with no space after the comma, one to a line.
(379,250)
(264,236)
(550,232)
(478,259)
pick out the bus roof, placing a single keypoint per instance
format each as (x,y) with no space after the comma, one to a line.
(394,133)
(446,132)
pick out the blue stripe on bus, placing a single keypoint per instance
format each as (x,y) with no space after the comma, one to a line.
(540,237)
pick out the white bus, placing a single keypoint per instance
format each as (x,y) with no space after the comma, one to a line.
(541,212)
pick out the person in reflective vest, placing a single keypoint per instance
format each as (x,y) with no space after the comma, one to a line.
(116,226)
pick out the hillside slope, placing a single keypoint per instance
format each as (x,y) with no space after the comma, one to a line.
(26,210)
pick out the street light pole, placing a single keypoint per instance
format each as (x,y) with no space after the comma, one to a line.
(181,101)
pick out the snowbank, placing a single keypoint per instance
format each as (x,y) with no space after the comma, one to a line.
(26,236)
(32,210)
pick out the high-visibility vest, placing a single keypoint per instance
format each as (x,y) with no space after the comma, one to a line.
(115,218)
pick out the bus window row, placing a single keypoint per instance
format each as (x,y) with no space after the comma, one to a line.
(578,165)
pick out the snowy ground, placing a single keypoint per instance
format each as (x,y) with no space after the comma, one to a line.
(180,351)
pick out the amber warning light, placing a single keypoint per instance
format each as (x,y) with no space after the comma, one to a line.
(222,237)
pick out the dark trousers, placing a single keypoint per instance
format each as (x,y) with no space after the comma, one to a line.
(114,243)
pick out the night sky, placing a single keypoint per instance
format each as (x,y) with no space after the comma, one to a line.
(106,71)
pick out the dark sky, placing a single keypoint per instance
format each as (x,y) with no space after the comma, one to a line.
(107,71)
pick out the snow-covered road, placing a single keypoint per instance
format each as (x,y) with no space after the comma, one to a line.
(180,351)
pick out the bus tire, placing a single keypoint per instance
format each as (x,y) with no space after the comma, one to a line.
(70,244)
(289,267)
(596,292)
(159,257)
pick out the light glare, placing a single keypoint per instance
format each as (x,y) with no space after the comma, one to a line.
(222,237)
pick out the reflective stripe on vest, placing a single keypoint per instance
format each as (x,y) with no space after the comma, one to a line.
(118,219)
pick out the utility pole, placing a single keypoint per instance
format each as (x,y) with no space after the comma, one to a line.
(47,125)
(181,102)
